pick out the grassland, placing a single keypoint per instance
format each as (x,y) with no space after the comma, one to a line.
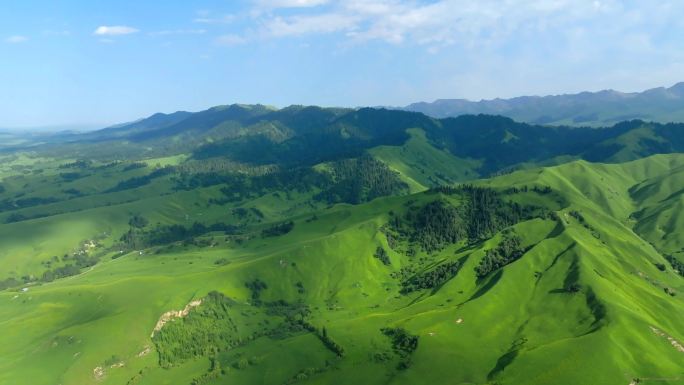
(579,307)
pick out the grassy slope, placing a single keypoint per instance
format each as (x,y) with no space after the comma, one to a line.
(423,166)
(59,332)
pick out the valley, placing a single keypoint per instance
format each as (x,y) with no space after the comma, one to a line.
(314,246)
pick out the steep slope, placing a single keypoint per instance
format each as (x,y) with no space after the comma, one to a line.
(423,165)
(543,282)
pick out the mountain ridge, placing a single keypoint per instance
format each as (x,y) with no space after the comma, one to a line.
(600,108)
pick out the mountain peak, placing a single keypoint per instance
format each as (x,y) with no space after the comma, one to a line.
(677,89)
(601,108)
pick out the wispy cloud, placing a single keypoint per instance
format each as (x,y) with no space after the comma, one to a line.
(16,39)
(115,30)
(272,4)
(310,24)
(230,40)
(178,32)
(206,17)
(441,23)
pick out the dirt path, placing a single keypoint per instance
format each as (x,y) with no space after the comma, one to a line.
(172,314)
(675,344)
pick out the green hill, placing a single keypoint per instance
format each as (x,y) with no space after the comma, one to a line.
(547,275)
(303,136)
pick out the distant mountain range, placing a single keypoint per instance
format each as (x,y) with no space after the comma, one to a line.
(603,108)
(306,245)
(303,136)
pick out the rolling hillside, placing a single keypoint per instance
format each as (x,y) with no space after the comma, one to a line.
(306,245)
(562,267)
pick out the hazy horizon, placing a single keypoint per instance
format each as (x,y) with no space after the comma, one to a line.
(84,127)
(97,64)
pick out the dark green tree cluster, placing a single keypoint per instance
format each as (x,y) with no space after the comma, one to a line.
(240,186)
(77,263)
(77,164)
(676,264)
(71,176)
(289,311)
(329,342)
(243,213)
(433,226)
(488,214)
(507,251)
(354,181)
(361,180)
(9,282)
(382,255)
(138,221)
(21,203)
(403,344)
(213,373)
(481,215)
(580,218)
(316,136)
(206,329)
(256,286)
(278,229)
(144,180)
(305,374)
(324,337)
(60,272)
(137,238)
(134,166)
(432,279)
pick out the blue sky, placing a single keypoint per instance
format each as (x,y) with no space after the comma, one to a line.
(93,63)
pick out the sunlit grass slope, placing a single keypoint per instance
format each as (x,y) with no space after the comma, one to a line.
(518,325)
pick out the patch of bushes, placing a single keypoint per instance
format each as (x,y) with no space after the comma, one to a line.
(432,279)
(136,238)
(361,180)
(438,224)
(213,373)
(138,221)
(81,261)
(403,345)
(140,181)
(9,282)
(677,266)
(580,218)
(134,166)
(206,329)
(382,255)
(256,286)
(507,251)
(278,229)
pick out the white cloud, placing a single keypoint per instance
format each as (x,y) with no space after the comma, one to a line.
(272,4)
(178,32)
(442,23)
(302,25)
(16,39)
(114,30)
(230,40)
(205,17)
